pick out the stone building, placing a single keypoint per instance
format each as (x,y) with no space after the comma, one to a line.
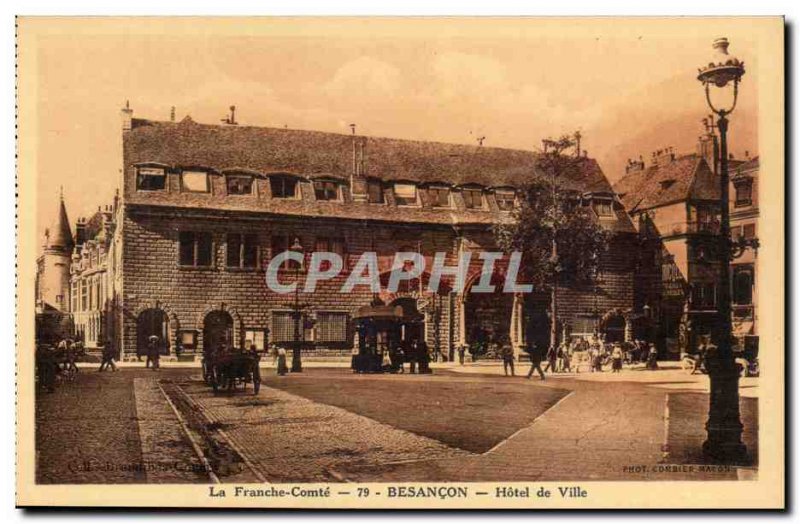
(92,270)
(675,204)
(203,208)
(52,280)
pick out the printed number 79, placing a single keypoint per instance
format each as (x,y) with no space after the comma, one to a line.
(363,492)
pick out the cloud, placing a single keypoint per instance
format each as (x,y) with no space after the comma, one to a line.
(363,76)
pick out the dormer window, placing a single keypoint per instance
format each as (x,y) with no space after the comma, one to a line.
(439,196)
(326,190)
(505,198)
(239,184)
(374,192)
(473,198)
(405,194)
(603,208)
(283,186)
(151,179)
(195,181)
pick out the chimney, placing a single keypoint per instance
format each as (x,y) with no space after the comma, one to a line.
(358,180)
(578,144)
(80,232)
(663,157)
(172,114)
(127,117)
(708,145)
(634,166)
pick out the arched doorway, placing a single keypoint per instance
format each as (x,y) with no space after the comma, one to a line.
(487,316)
(217,329)
(614,327)
(152,322)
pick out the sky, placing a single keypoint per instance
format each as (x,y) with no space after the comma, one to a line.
(629,90)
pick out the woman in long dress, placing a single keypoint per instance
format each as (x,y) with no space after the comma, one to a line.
(282,368)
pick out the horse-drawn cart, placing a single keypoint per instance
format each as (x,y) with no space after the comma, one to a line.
(226,370)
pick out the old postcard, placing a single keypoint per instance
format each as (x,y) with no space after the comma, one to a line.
(400,262)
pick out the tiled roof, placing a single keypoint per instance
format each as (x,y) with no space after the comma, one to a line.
(310,154)
(748,165)
(269,150)
(685,177)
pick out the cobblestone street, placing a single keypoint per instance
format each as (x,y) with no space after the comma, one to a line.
(136,426)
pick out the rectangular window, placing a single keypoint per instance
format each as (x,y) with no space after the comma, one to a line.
(505,200)
(706,220)
(84,296)
(74,297)
(150,179)
(704,296)
(195,181)
(603,208)
(326,190)
(255,337)
(405,194)
(331,245)
(331,327)
(375,192)
(743,285)
(279,244)
(188,339)
(239,184)
(195,249)
(283,326)
(473,198)
(749,231)
(439,196)
(242,250)
(744,193)
(283,186)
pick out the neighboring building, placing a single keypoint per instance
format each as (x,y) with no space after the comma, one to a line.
(674,203)
(91,289)
(52,280)
(203,208)
(744,269)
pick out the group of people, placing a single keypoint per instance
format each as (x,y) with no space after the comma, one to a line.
(393,360)
(560,358)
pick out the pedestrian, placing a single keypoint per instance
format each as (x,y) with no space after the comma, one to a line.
(153,353)
(552,355)
(108,357)
(282,368)
(652,357)
(507,354)
(424,356)
(566,363)
(461,351)
(413,355)
(353,358)
(616,358)
(535,356)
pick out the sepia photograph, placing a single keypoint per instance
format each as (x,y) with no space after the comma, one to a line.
(400,262)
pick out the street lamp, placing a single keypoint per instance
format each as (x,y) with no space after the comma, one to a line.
(724,427)
(297,363)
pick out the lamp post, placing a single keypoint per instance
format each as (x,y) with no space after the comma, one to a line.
(724,428)
(297,363)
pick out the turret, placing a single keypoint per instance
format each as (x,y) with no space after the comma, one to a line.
(55,269)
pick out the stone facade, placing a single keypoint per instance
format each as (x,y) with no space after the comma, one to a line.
(204,208)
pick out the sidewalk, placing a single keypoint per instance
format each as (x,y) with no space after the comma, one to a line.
(669,376)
